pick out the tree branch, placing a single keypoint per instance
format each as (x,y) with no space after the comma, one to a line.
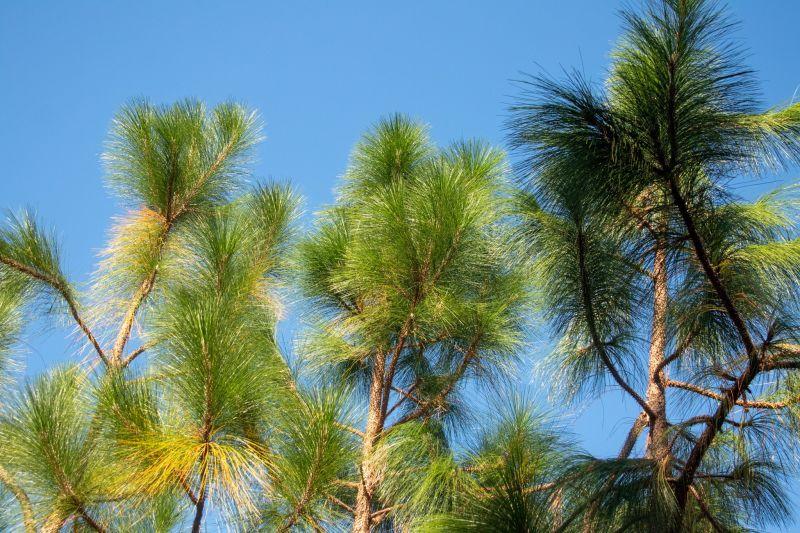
(679,351)
(188,490)
(720,397)
(406,395)
(351,429)
(705,510)
(633,435)
(130,315)
(596,340)
(378,516)
(708,268)
(65,295)
(91,522)
(137,352)
(28,520)
(425,408)
(340,503)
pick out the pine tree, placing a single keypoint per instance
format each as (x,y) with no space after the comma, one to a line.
(189,275)
(658,280)
(416,293)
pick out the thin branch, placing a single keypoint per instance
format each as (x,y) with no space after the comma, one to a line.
(340,503)
(91,522)
(705,419)
(779,363)
(406,395)
(711,273)
(170,217)
(389,377)
(737,390)
(130,316)
(767,366)
(640,218)
(425,408)
(705,510)
(378,516)
(633,435)
(719,397)
(137,352)
(679,351)
(596,340)
(351,429)
(58,285)
(188,490)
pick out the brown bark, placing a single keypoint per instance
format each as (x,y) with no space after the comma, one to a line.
(657,447)
(28,521)
(130,316)
(363,508)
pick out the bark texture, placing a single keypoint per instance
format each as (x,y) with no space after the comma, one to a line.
(369,481)
(657,447)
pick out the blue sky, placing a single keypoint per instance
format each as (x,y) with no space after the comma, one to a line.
(320,74)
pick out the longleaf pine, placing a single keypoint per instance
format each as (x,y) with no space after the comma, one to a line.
(611,233)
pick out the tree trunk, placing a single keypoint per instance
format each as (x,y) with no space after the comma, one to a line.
(363,508)
(201,497)
(198,513)
(657,447)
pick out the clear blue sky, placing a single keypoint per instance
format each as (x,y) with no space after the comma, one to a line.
(320,74)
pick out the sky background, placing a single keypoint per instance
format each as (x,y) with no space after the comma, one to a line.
(320,74)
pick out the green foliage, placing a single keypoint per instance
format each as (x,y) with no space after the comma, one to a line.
(419,284)
(30,265)
(200,414)
(615,175)
(170,165)
(131,450)
(507,481)
(416,237)
(310,454)
(173,159)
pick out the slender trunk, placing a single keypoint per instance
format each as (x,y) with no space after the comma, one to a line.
(201,496)
(363,508)
(657,447)
(198,514)
(206,436)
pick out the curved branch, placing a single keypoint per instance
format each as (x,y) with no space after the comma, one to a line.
(679,351)
(709,270)
(706,512)
(62,291)
(633,435)
(720,397)
(731,395)
(590,322)
(136,353)
(28,521)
